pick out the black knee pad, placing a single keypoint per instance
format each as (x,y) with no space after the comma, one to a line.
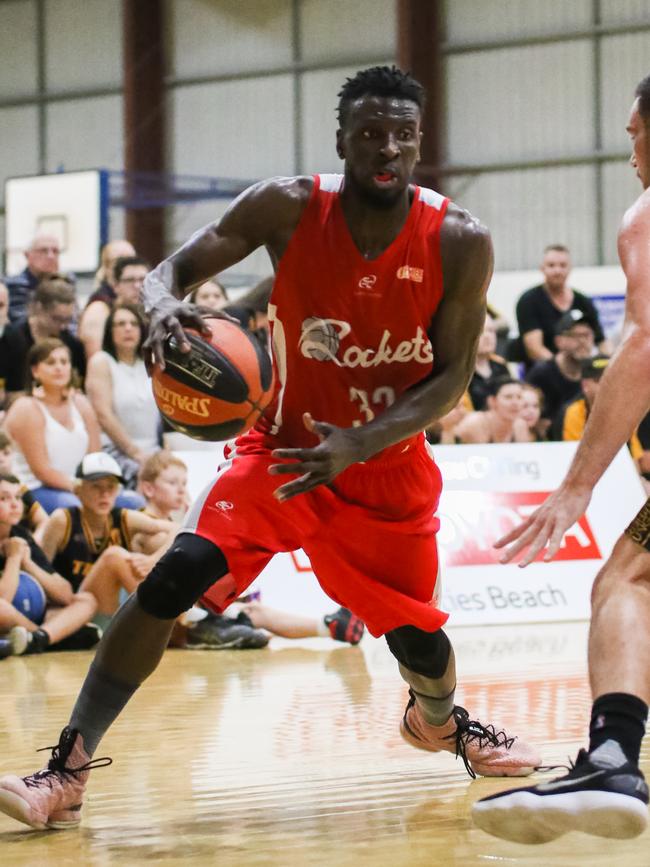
(181,576)
(425,653)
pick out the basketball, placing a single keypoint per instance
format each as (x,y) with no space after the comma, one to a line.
(219,388)
(30,598)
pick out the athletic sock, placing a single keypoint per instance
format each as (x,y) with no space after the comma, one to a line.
(621,717)
(100,702)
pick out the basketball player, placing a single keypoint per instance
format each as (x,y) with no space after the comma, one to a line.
(376,310)
(605,792)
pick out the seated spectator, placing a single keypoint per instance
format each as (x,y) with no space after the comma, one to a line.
(251,310)
(501,422)
(53,426)
(104,285)
(34,515)
(120,392)
(341,625)
(163,483)
(643,433)
(559,377)
(488,366)
(50,313)
(89,544)
(443,430)
(38,608)
(210,294)
(42,261)
(539,309)
(129,273)
(502,328)
(572,418)
(531,412)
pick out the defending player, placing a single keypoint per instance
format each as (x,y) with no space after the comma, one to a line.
(376,309)
(605,792)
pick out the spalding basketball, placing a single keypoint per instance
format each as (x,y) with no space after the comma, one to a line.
(219,388)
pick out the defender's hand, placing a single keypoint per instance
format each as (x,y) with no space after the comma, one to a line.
(338,448)
(546,526)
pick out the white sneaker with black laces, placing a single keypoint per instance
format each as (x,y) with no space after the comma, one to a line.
(603,794)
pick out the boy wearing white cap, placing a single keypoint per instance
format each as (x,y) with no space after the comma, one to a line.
(90,544)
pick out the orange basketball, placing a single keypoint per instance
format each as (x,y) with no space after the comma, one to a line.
(219,388)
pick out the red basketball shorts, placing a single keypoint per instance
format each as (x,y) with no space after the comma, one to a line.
(370,536)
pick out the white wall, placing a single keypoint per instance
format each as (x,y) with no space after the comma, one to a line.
(542,102)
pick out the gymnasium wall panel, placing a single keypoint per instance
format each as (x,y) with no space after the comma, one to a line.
(83,43)
(333,30)
(319,124)
(519,103)
(236,129)
(624,11)
(473,21)
(85,134)
(17,48)
(18,143)
(184,220)
(621,188)
(625,60)
(526,210)
(228,36)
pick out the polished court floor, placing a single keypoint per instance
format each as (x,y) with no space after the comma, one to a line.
(291,756)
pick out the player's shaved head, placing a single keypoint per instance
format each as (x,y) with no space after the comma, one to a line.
(387,81)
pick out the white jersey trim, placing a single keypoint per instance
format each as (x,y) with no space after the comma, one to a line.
(430,197)
(193,516)
(331,183)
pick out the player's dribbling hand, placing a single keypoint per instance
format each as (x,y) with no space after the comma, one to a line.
(545,527)
(338,448)
(168,320)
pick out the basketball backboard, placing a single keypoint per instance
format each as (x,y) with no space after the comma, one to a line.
(71,206)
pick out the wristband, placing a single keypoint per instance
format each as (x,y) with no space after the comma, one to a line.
(157,286)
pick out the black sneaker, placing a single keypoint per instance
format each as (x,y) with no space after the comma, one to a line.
(217,632)
(23,641)
(345,626)
(603,794)
(5,648)
(83,639)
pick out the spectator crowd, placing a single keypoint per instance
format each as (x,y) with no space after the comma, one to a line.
(89,498)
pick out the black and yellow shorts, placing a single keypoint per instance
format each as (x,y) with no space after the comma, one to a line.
(639,529)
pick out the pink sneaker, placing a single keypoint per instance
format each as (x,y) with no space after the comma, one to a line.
(52,798)
(483,749)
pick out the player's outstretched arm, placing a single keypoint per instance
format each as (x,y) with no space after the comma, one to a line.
(623,400)
(467,267)
(263,215)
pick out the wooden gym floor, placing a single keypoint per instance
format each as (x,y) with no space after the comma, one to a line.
(291,756)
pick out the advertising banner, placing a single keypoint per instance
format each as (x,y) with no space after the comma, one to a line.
(488,489)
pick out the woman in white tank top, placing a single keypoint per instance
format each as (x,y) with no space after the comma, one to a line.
(53,426)
(120,392)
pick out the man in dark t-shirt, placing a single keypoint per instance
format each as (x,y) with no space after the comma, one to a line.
(559,377)
(539,309)
(51,311)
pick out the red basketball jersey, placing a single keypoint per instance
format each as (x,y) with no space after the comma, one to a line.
(350,334)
